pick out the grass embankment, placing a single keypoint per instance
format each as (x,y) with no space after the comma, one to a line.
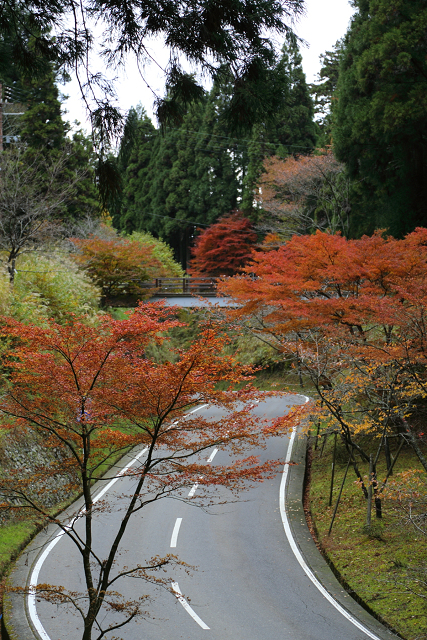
(381,565)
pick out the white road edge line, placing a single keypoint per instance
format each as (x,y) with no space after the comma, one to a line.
(32,608)
(202,406)
(183,601)
(174,538)
(212,456)
(295,549)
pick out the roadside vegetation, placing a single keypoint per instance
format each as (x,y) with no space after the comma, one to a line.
(383,565)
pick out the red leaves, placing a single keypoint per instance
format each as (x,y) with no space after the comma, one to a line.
(224,247)
(92,394)
(92,390)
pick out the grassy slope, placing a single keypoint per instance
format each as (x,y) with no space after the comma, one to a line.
(377,566)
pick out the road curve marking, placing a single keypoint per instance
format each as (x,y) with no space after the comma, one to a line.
(174,538)
(32,608)
(202,406)
(183,601)
(297,552)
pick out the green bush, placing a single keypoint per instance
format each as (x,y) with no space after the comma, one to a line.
(161,251)
(50,287)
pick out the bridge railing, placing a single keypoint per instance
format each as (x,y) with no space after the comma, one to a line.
(183,286)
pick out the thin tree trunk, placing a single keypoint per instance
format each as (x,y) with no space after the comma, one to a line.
(414,444)
(387,455)
(11,267)
(339,497)
(333,469)
(369,502)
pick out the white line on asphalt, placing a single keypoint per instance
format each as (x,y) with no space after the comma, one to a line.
(183,601)
(175,532)
(32,609)
(295,549)
(212,456)
(202,406)
(192,490)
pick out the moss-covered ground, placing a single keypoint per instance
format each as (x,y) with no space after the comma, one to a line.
(384,565)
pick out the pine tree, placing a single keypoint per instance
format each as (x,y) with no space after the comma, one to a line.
(42,129)
(137,149)
(42,126)
(183,176)
(218,158)
(294,131)
(257,152)
(324,91)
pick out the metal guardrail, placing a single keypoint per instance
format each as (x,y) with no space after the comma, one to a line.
(183,286)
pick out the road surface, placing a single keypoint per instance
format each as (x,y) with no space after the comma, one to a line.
(248,584)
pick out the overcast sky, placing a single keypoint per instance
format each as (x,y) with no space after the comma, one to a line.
(324,23)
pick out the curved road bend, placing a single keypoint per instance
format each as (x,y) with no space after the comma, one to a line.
(248,585)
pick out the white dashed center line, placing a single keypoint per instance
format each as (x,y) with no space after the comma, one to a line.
(212,456)
(175,532)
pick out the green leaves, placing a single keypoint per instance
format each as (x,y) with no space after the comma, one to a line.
(380,129)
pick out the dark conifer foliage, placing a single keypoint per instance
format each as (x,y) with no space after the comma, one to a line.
(42,129)
(183,176)
(195,173)
(206,33)
(294,130)
(42,126)
(380,122)
(324,91)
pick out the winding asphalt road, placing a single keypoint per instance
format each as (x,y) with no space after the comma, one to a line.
(249,584)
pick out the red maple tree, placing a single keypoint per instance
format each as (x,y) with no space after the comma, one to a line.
(224,248)
(91,392)
(351,317)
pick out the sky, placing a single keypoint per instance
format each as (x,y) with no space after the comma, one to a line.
(324,23)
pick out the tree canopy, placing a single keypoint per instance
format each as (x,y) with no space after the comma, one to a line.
(350,316)
(380,129)
(224,248)
(204,34)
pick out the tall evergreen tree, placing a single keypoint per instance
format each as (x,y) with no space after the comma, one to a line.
(294,130)
(184,176)
(291,132)
(324,91)
(130,134)
(42,126)
(218,157)
(380,122)
(132,161)
(258,149)
(150,162)
(42,129)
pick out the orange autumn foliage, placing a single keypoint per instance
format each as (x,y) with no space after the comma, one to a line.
(91,393)
(351,315)
(117,265)
(305,192)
